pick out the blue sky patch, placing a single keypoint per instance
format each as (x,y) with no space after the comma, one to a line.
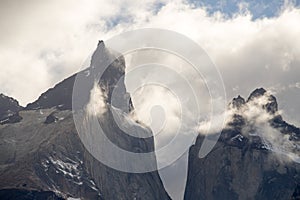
(258,8)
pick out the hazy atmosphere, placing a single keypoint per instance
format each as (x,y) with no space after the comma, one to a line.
(253,44)
(44,42)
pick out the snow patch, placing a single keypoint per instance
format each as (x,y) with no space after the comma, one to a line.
(70,169)
(238,137)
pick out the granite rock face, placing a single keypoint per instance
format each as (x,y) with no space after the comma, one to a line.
(243,165)
(43,157)
(106,67)
(271,106)
(43,152)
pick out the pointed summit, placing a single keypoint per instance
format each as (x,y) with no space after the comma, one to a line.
(106,67)
(237,102)
(101,56)
(257,93)
(101,43)
(270,105)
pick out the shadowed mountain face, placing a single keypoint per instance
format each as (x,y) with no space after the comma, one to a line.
(43,152)
(27,195)
(9,110)
(253,158)
(106,67)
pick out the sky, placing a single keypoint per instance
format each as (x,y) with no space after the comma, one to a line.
(253,43)
(44,42)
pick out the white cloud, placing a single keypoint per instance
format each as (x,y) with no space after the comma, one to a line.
(295,85)
(258,123)
(51,40)
(96,106)
(43,42)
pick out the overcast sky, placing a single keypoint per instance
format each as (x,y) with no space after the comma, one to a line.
(254,43)
(43,42)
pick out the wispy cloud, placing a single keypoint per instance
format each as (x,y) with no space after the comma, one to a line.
(258,123)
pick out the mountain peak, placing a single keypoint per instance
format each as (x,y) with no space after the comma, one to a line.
(269,103)
(101,43)
(106,67)
(101,56)
(9,109)
(3,98)
(237,102)
(259,96)
(257,93)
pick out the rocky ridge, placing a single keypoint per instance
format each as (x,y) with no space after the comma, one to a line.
(43,152)
(245,163)
(9,110)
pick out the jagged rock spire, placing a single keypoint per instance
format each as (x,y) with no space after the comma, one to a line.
(256,93)
(106,67)
(270,106)
(237,102)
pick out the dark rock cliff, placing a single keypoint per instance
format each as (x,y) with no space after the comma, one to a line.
(243,165)
(9,110)
(43,151)
(8,194)
(106,67)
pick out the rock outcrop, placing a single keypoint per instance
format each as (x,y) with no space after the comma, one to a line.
(246,162)
(9,110)
(43,152)
(106,67)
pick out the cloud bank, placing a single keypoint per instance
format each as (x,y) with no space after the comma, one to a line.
(43,42)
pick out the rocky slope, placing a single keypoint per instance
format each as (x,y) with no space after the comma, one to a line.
(8,194)
(254,157)
(43,152)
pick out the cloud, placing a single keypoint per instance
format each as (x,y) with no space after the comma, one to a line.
(44,42)
(257,121)
(249,54)
(55,38)
(207,127)
(96,106)
(295,85)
